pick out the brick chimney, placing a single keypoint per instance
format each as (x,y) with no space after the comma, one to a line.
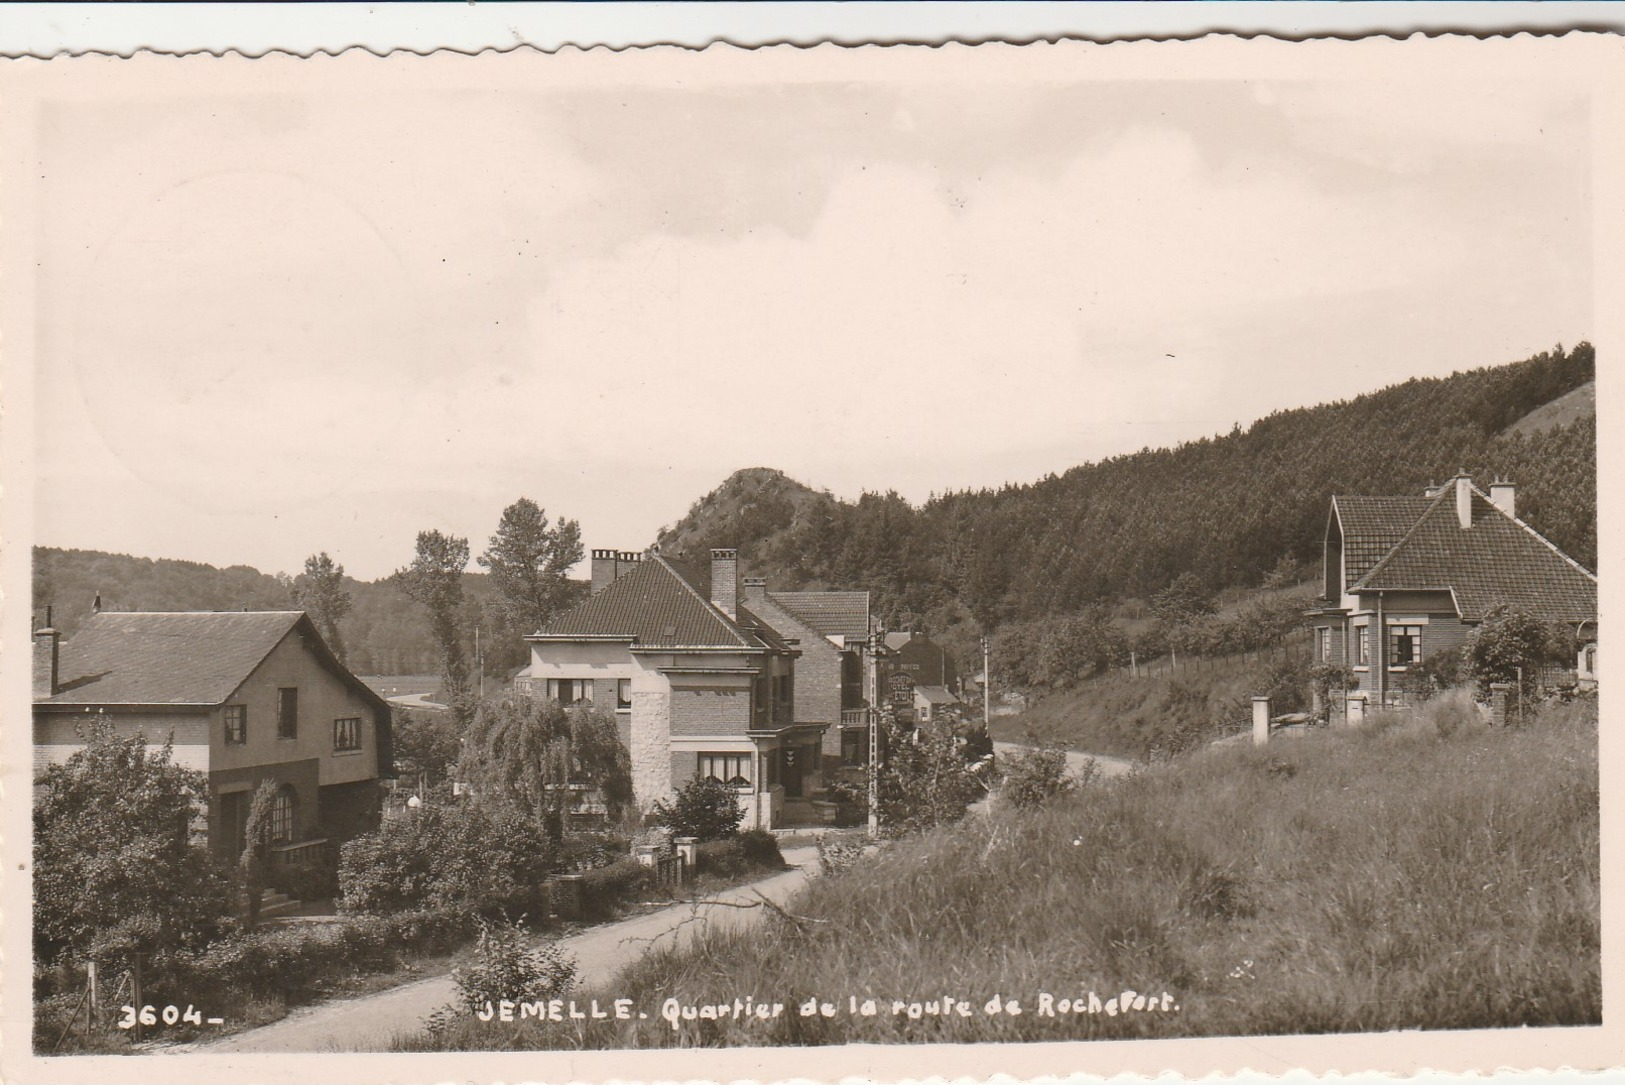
(753,590)
(1464,500)
(604,569)
(626,561)
(725,581)
(46,657)
(1504,496)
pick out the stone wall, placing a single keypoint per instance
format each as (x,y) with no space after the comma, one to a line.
(651,747)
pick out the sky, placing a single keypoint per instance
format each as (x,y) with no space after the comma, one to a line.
(279,321)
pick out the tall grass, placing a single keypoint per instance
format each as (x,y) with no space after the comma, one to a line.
(1423,873)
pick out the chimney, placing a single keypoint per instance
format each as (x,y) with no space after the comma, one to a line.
(625,562)
(725,581)
(755,589)
(96,607)
(46,657)
(1504,496)
(1464,500)
(605,567)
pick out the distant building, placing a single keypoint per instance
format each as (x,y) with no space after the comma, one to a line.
(913,659)
(831,630)
(244,697)
(1408,577)
(936,704)
(699,683)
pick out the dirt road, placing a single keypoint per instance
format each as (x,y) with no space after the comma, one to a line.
(367,1024)
(1075,761)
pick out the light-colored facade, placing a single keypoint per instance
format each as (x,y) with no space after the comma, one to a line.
(243,697)
(698,683)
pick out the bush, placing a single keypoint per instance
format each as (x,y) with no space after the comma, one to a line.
(445,857)
(605,889)
(506,968)
(723,858)
(1033,776)
(706,809)
(838,852)
(306,881)
(117,869)
(760,849)
(1507,643)
(581,852)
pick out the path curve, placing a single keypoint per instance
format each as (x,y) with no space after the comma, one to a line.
(1075,761)
(368,1023)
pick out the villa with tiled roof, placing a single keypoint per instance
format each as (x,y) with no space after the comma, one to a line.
(1408,577)
(698,682)
(244,697)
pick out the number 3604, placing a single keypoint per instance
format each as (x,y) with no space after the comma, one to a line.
(150,1015)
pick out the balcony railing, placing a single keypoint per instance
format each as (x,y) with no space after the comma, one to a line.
(854,717)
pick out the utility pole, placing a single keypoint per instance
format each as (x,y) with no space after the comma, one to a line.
(479,661)
(877,641)
(987,680)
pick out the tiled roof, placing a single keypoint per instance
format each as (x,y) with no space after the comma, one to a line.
(936,694)
(830,613)
(1372,525)
(1496,560)
(658,602)
(170,658)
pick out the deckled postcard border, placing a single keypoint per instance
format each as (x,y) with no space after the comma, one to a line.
(25,84)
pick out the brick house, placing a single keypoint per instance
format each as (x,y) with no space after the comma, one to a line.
(243,696)
(1408,577)
(699,684)
(831,630)
(912,660)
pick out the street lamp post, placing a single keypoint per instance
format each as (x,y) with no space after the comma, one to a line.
(987,680)
(877,641)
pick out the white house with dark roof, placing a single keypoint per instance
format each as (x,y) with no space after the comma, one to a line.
(242,696)
(698,682)
(1408,577)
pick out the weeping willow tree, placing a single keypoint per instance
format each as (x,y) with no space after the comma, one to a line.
(537,756)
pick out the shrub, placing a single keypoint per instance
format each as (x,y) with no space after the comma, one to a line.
(605,889)
(116,866)
(1033,776)
(924,782)
(723,858)
(1507,643)
(760,849)
(706,809)
(444,857)
(839,852)
(587,851)
(506,968)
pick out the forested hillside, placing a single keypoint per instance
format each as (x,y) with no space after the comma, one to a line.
(385,632)
(1226,509)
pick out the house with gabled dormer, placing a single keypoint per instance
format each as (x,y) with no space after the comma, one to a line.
(1408,577)
(699,684)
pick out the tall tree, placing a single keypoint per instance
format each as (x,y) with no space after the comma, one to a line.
(524,753)
(435,579)
(527,561)
(320,592)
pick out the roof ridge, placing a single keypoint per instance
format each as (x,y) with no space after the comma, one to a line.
(710,607)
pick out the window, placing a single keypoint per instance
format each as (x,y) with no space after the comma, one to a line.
(569,691)
(347,734)
(236,724)
(282,810)
(287,713)
(1362,646)
(623,693)
(1404,645)
(727,768)
(1323,650)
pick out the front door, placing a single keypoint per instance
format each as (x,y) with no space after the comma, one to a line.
(234,822)
(790,769)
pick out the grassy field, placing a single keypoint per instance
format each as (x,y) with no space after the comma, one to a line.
(1420,873)
(1136,717)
